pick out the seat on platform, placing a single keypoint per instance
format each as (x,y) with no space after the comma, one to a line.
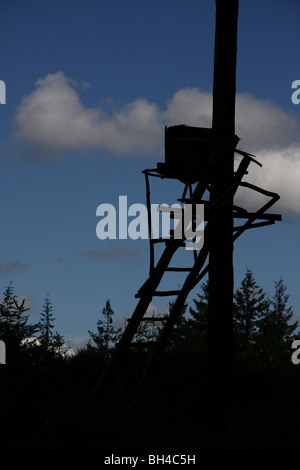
(187,152)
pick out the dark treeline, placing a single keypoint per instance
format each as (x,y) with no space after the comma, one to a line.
(46,400)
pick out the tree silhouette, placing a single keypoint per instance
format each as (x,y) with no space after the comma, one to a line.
(199,313)
(49,341)
(147,331)
(106,336)
(250,306)
(14,327)
(181,331)
(276,329)
(263,328)
(282,313)
(46,324)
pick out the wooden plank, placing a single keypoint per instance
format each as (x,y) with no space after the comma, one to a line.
(257,215)
(165,293)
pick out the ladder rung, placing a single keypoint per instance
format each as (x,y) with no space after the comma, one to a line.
(166,293)
(159,293)
(165,240)
(159,240)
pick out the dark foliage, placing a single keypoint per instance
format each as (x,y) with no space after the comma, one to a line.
(14,326)
(107,336)
(49,341)
(49,405)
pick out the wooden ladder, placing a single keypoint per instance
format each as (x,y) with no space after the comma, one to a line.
(114,376)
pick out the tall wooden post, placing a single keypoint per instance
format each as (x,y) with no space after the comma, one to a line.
(220,303)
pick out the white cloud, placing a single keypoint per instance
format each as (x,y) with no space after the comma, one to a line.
(262,124)
(280,173)
(53,119)
(189,106)
(156,311)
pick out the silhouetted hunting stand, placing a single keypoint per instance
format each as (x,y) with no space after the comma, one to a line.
(202,160)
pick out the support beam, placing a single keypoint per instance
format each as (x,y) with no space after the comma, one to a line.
(221,281)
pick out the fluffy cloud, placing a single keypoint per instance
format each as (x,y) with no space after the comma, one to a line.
(156,311)
(280,173)
(52,119)
(262,124)
(189,106)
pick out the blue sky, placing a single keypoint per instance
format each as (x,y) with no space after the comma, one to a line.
(90,87)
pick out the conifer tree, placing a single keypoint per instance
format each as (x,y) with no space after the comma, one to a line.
(14,327)
(263,329)
(49,341)
(250,306)
(46,323)
(106,335)
(181,330)
(199,313)
(276,329)
(147,331)
(282,313)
